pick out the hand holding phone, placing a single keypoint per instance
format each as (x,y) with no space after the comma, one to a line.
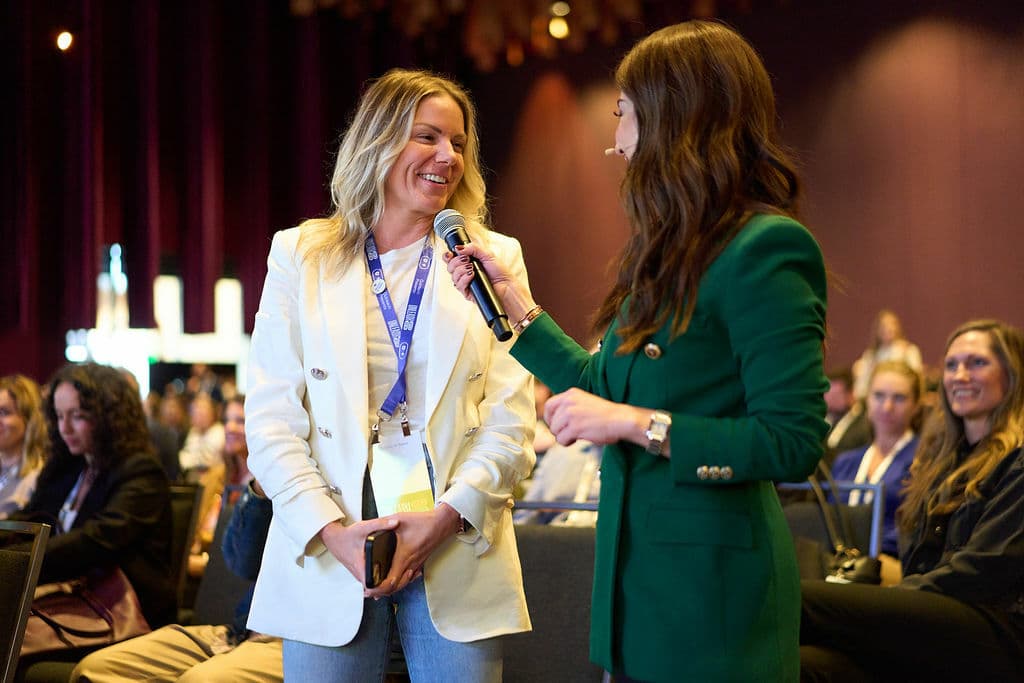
(379,551)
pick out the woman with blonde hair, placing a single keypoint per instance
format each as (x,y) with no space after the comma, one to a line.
(958,612)
(887,343)
(893,402)
(23,441)
(380,400)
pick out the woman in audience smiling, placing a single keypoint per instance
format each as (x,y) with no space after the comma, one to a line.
(22,441)
(958,613)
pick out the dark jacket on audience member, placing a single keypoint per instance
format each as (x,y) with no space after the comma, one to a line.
(125,520)
(845,469)
(243,549)
(976,553)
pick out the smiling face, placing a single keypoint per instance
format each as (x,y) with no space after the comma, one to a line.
(12,425)
(74,424)
(627,133)
(975,381)
(430,166)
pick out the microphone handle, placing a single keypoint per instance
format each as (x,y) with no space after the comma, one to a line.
(488,303)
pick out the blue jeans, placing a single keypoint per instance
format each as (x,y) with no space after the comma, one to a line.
(429,656)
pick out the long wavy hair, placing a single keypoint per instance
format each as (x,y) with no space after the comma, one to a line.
(707,156)
(28,402)
(937,484)
(114,408)
(379,131)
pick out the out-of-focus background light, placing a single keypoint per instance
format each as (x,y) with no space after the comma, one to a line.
(558,28)
(64,40)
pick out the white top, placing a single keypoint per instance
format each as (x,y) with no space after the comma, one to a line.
(203,449)
(16,488)
(399,271)
(876,476)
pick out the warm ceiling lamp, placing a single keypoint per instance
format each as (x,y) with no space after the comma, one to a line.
(64,40)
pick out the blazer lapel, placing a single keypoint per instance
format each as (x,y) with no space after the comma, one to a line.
(343,310)
(448,326)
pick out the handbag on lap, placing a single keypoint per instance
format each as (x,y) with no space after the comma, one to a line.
(96,610)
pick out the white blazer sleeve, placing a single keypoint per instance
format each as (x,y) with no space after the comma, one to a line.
(277,424)
(501,452)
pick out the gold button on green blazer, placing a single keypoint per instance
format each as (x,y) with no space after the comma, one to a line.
(695,575)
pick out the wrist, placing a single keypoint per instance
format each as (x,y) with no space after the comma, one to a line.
(451,519)
(518,302)
(331,530)
(656,432)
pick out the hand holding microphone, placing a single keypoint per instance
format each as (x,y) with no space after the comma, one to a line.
(450,226)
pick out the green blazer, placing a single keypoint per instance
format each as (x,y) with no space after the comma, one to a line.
(695,577)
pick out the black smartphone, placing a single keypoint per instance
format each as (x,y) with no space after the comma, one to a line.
(379,551)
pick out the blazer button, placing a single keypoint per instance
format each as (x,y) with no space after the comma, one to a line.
(471,431)
(703,472)
(474,377)
(715,472)
(324,432)
(726,473)
(318,374)
(652,351)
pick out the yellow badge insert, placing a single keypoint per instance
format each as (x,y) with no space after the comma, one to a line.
(398,472)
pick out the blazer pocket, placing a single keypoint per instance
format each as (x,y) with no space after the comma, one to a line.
(700,527)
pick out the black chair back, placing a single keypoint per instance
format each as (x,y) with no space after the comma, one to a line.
(558,573)
(185,500)
(19,572)
(220,589)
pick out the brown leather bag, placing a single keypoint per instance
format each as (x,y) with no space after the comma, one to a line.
(94,611)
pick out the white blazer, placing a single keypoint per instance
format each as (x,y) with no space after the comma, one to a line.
(307,422)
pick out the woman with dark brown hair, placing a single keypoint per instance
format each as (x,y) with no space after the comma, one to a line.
(103,489)
(708,385)
(958,613)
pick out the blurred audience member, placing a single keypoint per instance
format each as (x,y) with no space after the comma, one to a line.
(543,439)
(165,440)
(204,444)
(23,441)
(849,425)
(887,343)
(226,479)
(203,380)
(958,612)
(225,653)
(173,414)
(892,405)
(103,488)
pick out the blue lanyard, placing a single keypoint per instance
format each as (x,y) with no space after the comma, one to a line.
(400,334)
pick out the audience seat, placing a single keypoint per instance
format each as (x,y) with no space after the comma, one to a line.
(19,572)
(558,572)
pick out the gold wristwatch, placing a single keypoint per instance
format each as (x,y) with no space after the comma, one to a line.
(657,431)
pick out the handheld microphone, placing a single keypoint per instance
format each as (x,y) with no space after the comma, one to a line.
(450,226)
(610,151)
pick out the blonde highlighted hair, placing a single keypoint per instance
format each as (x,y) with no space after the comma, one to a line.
(379,131)
(29,404)
(938,485)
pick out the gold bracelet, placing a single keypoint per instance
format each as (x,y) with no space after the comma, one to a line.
(530,316)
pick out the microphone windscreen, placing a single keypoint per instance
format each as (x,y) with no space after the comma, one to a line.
(446,221)
(610,151)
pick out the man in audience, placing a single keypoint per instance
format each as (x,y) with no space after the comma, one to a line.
(849,422)
(226,652)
